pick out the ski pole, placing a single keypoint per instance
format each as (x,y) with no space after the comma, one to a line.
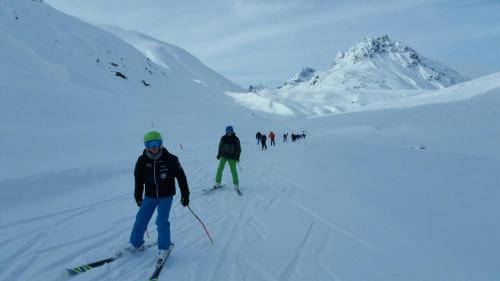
(202,224)
(181,146)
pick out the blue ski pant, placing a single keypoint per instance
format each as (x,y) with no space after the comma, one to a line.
(143,217)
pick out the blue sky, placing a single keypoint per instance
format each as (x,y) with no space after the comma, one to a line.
(267,41)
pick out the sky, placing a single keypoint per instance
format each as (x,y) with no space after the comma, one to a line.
(268,41)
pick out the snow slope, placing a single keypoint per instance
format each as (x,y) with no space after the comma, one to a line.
(174,59)
(381,195)
(59,76)
(390,194)
(42,42)
(319,102)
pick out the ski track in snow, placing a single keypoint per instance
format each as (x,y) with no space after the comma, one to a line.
(41,245)
(288,271)
(229,218)
(334,226)
(82,209)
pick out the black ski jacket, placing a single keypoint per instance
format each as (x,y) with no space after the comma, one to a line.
(229,147)
(158,176)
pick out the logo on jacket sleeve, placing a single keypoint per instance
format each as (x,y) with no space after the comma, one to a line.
(163,176)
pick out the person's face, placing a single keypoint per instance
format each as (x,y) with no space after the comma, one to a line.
(153,146)
(154,149)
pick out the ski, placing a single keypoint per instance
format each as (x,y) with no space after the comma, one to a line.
(159,265)
(207,190)
(89,266)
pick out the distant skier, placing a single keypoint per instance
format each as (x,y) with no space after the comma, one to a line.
(155,173)
(229,151)
(263,139)
(258,136)
(271,137)
(285,137)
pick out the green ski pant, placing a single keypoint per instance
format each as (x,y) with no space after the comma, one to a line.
(232,166)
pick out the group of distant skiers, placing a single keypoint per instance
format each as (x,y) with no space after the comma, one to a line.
(262,138)
(296,137)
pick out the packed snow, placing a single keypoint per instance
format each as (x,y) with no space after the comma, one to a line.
(407,190)
(318,102)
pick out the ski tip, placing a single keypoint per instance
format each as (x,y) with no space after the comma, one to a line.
(215,187)
(77,270)
(74,271)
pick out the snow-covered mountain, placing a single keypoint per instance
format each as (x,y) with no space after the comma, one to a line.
(306,74)
(42,42)
(379,63)
(374,71)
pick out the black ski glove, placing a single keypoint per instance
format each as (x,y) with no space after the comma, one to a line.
(185,201)
(138,200)
(218,157)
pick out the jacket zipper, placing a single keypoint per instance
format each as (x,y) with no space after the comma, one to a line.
(154,175)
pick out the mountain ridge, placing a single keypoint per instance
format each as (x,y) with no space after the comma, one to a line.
(41,42)
(378,63)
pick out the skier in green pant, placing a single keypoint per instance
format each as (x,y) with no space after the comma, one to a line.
(229,151)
